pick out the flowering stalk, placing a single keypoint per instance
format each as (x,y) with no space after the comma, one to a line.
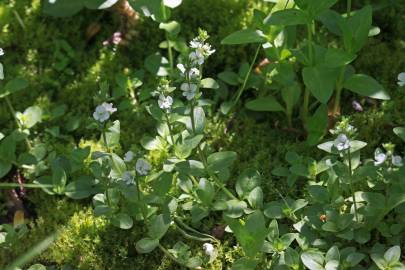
(351,183)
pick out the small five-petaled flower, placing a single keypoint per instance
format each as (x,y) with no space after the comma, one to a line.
(103,112)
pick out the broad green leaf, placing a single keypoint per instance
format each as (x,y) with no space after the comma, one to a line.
(317,125)
(355,28)
(320,81)
(205,191)
(113,135)
(400,132)
(333,254)
(158,226)
(5,167)
(393,254)
(221,160)
(315,7)
(31,116)
(366,86)
(379,261)
(264,104)
(81,188)
(244,264)
(229,77)
(146,245)
(313,260)
(150,143)
(235,208)
(59,179)
(209,83)
(244,36)
(122,221)
(247,181)
(156,64)
(337,58)
(37,267)
(62,8)
(287,17)
(192,167)
(273,210)
(173,27)
(13,86)
(255,198)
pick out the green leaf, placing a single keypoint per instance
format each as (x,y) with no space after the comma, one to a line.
(317,125)
(118,166)
(366,86)
(314,7)
(333,254)
(150,143)
(287,17)
(220,160)
(337,58)
(313,260)
(158,226)
(156,64)
(173,27)
(184,150)
(199,120)
(31,116)
(400,132)
(229,77)
(273,210)
(247,181)
(265,104)
(320,81)
(235,208)
(59,179)
(379,261)
(146,245)
(354,259)
(81,188)
(244,36)
(62,8)
(13,86)
(355,28)
(255,198)
(5,167)
(205,191)
(392,255)
(113,135)
(122,221)
(209,83)
(37,267)
(244,264)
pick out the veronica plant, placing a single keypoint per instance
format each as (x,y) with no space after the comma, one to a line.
(323,65)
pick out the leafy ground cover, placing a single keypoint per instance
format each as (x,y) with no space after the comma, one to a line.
(65,66)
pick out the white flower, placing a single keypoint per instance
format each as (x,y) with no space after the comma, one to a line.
(209,249)
(142,166)
(165,103)
(401,79)
(193,73)
(196,43)
(189,90)
(342,142)
(52,1)
(379,156)
(1,52)
(128,178)
(397,161)
(196,58)
(207,50)
(103,112)
(1,72)
(129,156)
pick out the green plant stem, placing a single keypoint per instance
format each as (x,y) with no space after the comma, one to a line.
(349,8)
(170,54)
(349,155)
(310,57)
(339,84)
(185,226)
(170,127)
(204,160)
(13,113)
(243,86)
(193,237)
(141,202)
(339,88)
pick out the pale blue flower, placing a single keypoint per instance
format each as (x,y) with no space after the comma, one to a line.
(397,161)
(189,90)
(128,178)
(165,103)
(103,112)
(401,79)
(196,58)
(342,142)
(129,156)
(142,166)
(379,156)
